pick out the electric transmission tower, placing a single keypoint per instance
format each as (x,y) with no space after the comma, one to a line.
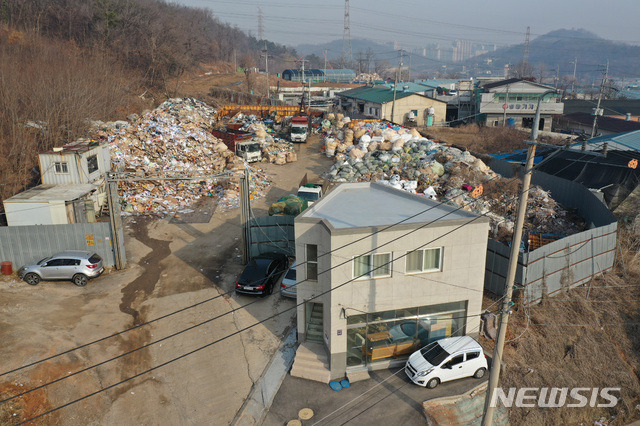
(260,24)
(347,54)
(525,57)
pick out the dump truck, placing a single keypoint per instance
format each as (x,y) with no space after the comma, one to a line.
(299,128)
(240,143)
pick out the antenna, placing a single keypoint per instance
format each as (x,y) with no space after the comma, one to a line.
(260,24)
(346,36)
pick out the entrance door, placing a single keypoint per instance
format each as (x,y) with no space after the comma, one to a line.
(315,327)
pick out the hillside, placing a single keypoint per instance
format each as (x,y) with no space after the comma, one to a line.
(558,48)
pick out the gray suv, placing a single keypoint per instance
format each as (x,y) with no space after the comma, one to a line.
(77,266)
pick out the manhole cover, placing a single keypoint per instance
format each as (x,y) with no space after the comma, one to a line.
(295,422)
(305,413)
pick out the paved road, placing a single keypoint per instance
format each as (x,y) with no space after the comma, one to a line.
(388,398)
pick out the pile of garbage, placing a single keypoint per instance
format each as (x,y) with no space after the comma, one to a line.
(174,139)
(366,151)
(275,148)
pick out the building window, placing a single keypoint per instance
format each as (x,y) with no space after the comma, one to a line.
(427,260)
(372,266)
(394,334)
(312,262)
(92,163)
(61,168)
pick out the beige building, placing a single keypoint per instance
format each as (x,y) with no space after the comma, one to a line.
(381,273)
(378,102)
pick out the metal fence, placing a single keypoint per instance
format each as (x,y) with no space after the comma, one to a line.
(272,234)
(564,263)
(23,245)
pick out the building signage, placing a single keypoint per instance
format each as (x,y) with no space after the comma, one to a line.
(519,106)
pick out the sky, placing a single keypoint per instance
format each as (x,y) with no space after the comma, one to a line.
(412,23)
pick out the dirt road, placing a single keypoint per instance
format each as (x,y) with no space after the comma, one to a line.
(171,265)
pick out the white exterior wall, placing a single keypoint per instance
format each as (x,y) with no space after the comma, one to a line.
(420,103)
(36,213)
(76,164)
(461,277)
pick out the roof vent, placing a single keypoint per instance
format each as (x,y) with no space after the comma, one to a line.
(57,149)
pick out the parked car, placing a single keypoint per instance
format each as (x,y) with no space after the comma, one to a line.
(77,266)
(446,359)
(262,273)
(288,285)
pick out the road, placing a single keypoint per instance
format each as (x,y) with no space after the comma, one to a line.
(172,264)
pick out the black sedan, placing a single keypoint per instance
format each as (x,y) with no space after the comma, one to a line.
(262,273)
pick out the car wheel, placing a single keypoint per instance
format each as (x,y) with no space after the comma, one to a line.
(433,383)
(32,279)
(80,280)
(270,289)
(479,374)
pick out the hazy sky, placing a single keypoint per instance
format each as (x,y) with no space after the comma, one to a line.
(412,22)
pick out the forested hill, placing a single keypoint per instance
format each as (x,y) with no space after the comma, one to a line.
(161,39)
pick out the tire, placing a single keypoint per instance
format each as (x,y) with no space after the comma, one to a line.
(433,383)
(32,278)
(80,280)
(270,289)
(480,372)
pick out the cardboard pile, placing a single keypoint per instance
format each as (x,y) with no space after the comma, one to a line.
(402,158)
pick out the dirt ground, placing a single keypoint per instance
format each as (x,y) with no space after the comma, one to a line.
(170,265)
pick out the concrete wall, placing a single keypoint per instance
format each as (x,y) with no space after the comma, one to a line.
(461,277)
(23,245)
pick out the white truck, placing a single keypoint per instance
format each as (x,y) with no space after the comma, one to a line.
(299,128)
(311,192)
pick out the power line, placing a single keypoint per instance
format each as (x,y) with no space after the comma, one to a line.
(220,339)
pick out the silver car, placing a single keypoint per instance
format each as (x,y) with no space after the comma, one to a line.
(288,285)
(77,266)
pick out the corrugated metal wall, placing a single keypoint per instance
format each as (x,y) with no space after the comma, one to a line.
(272,234)
(24,245)
(565,263)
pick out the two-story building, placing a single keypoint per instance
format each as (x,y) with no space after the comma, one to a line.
(72,189)
(513,103)
(381,273)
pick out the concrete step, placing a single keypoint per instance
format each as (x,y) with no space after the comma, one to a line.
(314,327)
(312,351)
(322,375)
(316,315)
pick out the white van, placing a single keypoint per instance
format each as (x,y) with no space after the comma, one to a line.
(446,359)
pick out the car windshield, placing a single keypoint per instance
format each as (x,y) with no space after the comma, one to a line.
(309,196)
(434,353)
(43,260)
(253,148)
(291,274)
(299,130)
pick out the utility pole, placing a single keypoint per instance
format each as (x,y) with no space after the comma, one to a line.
(487,419)
(595,116)
(395,88)
(409,71)
(235,62)
(573,82)
(266,66)
(115,217)
(504,108)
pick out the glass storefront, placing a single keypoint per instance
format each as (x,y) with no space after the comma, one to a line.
(398,333)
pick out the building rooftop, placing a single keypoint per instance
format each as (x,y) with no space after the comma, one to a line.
(379,94)
(47,193)
(78,147)
(604,123)
(512,81)
(610,106)
(355,205)
(630,140)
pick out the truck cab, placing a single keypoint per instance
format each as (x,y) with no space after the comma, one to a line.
(249,150)
(299,129)
(310,192)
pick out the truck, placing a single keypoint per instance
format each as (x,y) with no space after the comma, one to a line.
(299,128)
(311,192)
(240,143)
